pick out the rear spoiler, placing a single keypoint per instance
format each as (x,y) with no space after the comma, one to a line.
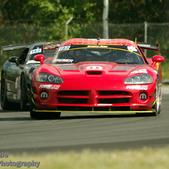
(148,47)
(12,47)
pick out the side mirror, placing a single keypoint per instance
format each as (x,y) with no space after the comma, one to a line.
(158,59)
(13,59)
(40,58)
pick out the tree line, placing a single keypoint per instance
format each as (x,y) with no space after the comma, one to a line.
(26,21)
(23,21)
(42,11)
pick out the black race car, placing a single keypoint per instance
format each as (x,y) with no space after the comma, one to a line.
(16,72)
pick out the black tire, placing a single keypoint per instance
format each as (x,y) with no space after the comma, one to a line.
(5,104)
(24,97)
(44,115)
(34,115)
(157,105)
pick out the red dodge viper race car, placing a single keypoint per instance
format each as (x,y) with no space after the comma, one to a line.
(110,76)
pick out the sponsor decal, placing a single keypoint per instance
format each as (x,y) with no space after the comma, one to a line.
(94,68)
(139,71)
(49,86)
(137,87)
(35,51)
(64,48)
(131,48)
(32,62)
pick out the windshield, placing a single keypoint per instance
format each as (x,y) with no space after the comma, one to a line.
(121,55)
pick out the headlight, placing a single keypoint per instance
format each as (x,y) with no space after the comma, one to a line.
(139,79)
(45,77)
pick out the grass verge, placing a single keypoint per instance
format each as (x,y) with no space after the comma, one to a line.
(143,158)
(165,68)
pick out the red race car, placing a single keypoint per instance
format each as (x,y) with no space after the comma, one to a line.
(111,76)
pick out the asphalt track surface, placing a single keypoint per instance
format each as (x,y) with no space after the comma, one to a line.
(18,133)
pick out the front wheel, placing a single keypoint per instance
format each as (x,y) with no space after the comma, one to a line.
(24,98)
(44,115)
(158,98)
(5,104)
(35,115)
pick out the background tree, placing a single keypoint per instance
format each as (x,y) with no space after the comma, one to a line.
(105,18)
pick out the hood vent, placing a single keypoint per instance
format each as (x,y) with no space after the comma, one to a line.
(94,72)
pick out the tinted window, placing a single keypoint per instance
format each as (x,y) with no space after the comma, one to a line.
(40,50)
(118,55)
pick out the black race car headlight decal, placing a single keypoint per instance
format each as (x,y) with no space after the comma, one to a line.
(45,77)
(139,79)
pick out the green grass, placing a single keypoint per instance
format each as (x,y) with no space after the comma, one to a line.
(143,158)
(165,68)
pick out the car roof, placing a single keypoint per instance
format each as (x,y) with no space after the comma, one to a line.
(83,41)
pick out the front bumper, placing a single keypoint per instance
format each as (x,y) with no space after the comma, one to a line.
(95,112)
(109,100)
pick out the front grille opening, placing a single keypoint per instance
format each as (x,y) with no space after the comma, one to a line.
(94,72)
(110,92)
(102,108)
(73,100)
(113,100)
(70,108)
(73,93)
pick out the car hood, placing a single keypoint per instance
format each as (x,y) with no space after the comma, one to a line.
(96,68)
